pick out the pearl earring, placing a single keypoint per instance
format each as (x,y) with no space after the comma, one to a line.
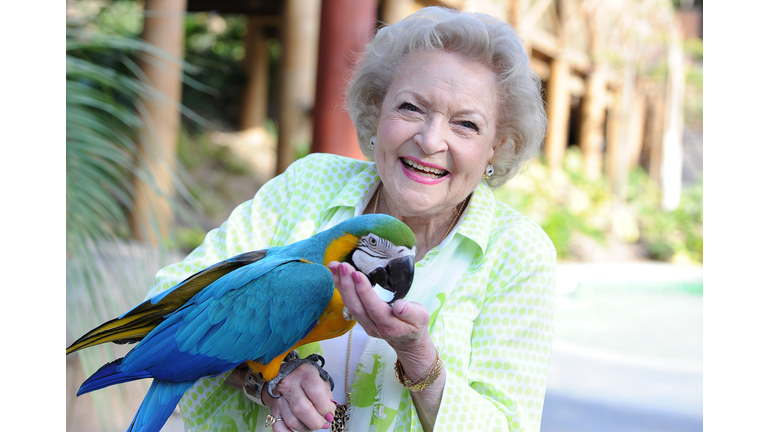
(373,141)
(489,170)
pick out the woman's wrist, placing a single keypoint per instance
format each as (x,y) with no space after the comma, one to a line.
(418,360)
(426,379)
(421,350)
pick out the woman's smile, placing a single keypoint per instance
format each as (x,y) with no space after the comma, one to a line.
(422,172)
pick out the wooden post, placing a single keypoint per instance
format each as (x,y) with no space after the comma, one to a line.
(514,13)
(612,136)
(152,218)
(558,106)
(637,128)
(393,11)
(618,129)
(593,120)
(345,28)
(297,78)
(672,159)
(255,95)
(656,137)
(625,117)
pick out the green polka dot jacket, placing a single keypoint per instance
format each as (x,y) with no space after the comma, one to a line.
(494,328)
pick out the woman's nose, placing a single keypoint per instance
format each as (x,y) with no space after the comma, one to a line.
(432,137)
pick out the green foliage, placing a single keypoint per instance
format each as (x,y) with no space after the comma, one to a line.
(669,235)
(572,204)
(103,129)
(214,48)
(120,18)
(198,150)
(106,275)
(187,239)
(694,83)
(216,168)
(694,49)
(562,206)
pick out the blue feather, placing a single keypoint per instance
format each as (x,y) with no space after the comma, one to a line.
(210,332)
(107,375)
(158,404)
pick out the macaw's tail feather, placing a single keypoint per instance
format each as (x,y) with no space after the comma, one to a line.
(129,329)
(158,404)
(107,375)
(135,324)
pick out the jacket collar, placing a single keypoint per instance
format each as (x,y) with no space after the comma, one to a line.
(476,224)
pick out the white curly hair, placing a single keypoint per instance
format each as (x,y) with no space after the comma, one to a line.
(522,119)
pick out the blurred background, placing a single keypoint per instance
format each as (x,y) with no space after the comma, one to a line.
(179,110)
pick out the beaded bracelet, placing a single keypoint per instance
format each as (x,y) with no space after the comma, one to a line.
(425,380)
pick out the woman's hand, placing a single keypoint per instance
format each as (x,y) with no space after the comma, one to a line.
(405,325)
(306,403)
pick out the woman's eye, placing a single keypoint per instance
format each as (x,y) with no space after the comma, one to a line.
(470,125)
(408,106)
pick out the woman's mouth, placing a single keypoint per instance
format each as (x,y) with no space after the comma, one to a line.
(426,171)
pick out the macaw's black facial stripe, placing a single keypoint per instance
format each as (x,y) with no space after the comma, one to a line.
(368,252)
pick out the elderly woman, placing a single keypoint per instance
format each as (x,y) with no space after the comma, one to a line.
(447,108)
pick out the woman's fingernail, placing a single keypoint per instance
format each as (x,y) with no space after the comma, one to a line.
(327,426)
(356,277)
(329,417)
(334,270)
(402,311)
(334,401)
(343,270)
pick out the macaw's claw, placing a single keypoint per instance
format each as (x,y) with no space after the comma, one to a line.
(291,362)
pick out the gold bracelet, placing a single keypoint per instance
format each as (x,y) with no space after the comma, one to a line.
(425,380)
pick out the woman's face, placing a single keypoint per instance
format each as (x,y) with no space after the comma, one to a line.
(436,133)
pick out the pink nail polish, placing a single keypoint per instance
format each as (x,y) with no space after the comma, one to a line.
(329,417)
(402,311)
(356,277)
(327,426)
(343,270)
(334,401)
(333,269)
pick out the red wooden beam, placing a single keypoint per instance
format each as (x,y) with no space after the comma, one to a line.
(345,28)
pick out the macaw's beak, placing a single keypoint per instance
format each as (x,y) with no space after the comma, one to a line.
(396,277)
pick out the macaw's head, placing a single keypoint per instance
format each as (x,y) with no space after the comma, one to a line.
(380,246)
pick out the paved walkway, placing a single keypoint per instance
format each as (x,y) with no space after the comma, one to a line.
(628,349)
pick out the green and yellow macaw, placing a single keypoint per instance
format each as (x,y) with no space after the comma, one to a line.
(255,307)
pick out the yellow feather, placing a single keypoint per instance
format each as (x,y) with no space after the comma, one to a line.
(340,248)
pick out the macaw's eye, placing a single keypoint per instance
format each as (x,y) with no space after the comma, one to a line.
(372,241)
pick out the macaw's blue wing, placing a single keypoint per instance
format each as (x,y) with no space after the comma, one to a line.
(139,321)
(242,316)
(248,314)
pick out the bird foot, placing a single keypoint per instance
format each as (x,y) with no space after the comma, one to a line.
(291,362)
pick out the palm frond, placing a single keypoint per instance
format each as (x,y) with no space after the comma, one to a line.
(107,129)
